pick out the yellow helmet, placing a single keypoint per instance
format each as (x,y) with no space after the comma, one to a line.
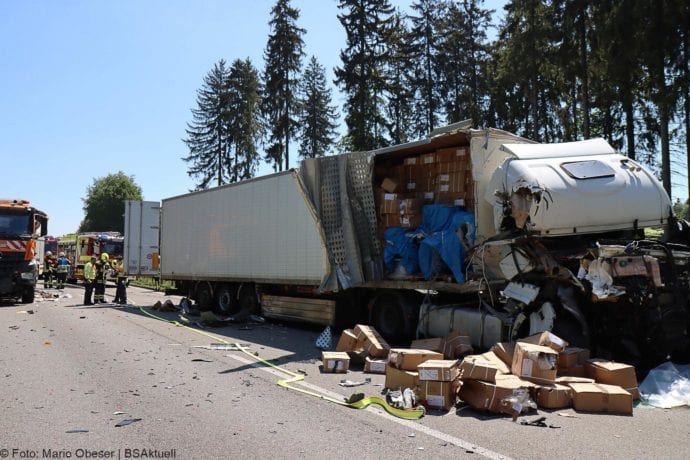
(104,257)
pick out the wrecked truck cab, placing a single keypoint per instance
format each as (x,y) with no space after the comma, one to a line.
(573,188)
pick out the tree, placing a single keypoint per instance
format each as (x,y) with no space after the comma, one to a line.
(283,60)
(400,110)
(423,39)
(367,25)
(208,137)
(244,123)
(318,116)
(463,61)
(104,208)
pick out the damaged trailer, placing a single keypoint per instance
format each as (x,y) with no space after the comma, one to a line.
(472,230)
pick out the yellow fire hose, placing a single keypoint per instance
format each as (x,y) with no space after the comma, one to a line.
(410,414)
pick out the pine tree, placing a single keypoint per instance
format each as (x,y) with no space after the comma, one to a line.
(464,59)
(526,71)
(367,25)
(208,137)
(400,110)
(283,63)
(318,117)
(244,122)
(424,39)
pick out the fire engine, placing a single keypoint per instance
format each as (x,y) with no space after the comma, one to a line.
(20,226)
(95,244)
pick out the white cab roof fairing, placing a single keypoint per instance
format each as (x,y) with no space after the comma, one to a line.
(612,193)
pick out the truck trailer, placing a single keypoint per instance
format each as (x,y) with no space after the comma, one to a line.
(20,226)
(472,230)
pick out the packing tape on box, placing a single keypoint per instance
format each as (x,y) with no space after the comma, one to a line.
(409,414)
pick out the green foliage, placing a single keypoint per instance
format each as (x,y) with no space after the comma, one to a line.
(245,122)
(367,25)
(318,116)
(208,136)
(681,210)
(226,127)
(104,206)
(283,58)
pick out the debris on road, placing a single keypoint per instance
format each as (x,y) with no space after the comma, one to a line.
(127,421)
(350,383)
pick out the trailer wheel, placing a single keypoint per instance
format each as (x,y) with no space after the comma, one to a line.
(247,301)
(28,295)
(225,302)
(395,317)
(204,296)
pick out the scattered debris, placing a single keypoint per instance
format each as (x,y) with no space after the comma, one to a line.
(201,360)
(166,306)
(565,414)
(47,343)
(350,383)
(324,341)
(354,398)
(77,430)
(118,413)
(26,312)
(540,422)
(127,421)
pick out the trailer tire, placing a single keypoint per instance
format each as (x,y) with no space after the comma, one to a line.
(28,295)
(204,296)
(225,301)
(395,317)
(247,300)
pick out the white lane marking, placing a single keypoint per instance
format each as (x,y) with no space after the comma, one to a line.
(406,423)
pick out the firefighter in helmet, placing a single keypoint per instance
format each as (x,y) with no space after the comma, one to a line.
(49,270)
(62,270)
(121,290)
(102,268)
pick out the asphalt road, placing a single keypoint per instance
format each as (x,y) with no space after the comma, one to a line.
(71,374)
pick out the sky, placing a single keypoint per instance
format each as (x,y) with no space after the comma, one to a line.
(89,88)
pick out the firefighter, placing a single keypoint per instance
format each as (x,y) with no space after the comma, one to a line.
(102,268)
(121,290)
(89,277)
(62,270)
(49,270)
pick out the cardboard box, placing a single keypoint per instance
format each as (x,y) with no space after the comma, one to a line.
(450,197)
(440,370)
(410,220)
(451,182)
(389,203)
(577,370)
(535,363)
(502,367)
(504,351)
(437,394)
(390,185)
(477,367)
(572,356)
(613,373)
(389,220)
(493,397)
(411,161)
(399,379)
(409,358)
(375,366)
(599,397)
(567,379)
(335,362)
(347,341)
(451,154)
(457,345)
(369,339)
(433,344)
(554,396)
(546,339)
(410,206)
(428,158)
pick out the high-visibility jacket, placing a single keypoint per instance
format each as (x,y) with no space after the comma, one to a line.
(89,272)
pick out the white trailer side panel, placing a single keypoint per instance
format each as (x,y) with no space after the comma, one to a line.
(263,229)
(141,250)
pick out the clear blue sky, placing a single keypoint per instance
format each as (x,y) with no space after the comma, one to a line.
(93,87)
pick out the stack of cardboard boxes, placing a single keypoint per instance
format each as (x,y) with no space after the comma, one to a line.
(541,370)
(442,176)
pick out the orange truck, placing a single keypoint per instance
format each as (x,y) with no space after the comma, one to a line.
(20,226)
